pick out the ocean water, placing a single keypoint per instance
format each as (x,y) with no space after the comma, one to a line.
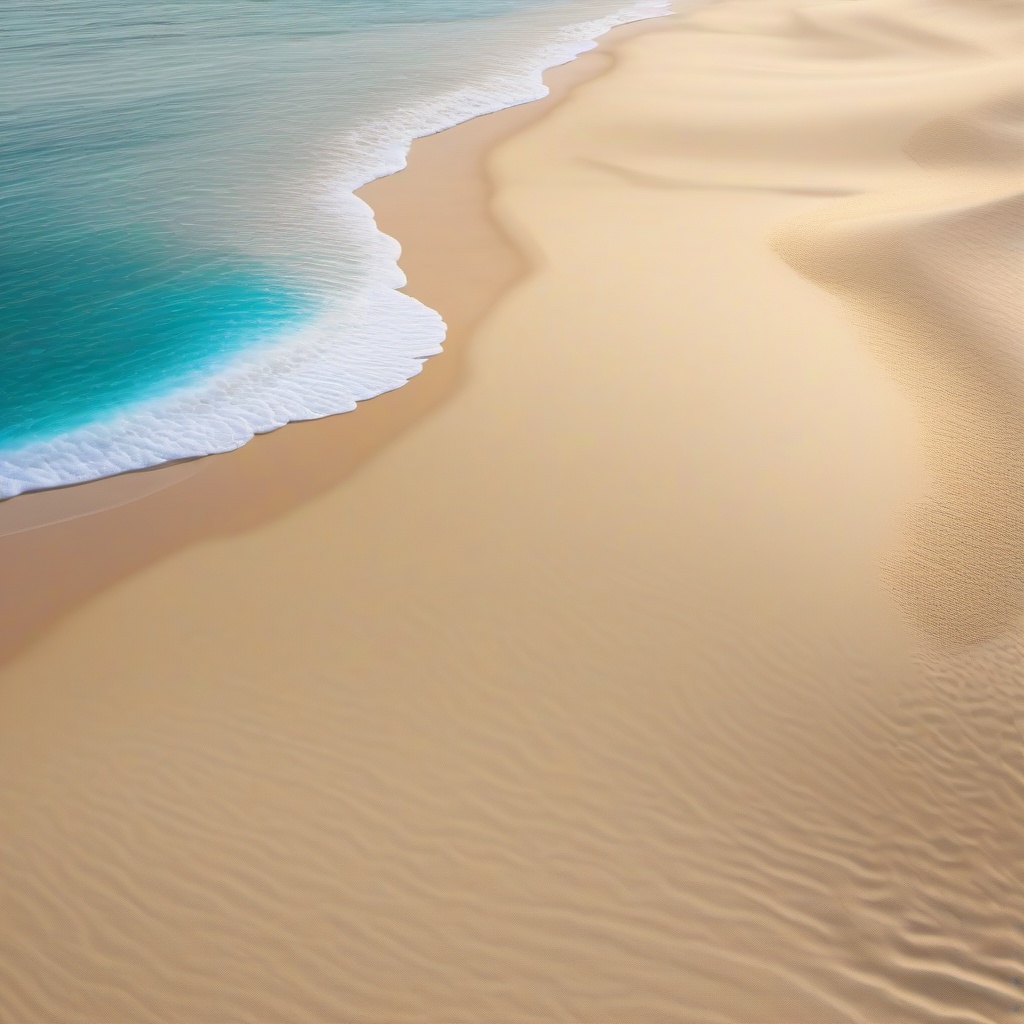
(182,261)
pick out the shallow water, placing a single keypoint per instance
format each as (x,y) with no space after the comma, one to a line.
(183,263)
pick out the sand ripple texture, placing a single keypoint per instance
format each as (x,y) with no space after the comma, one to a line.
(672,671)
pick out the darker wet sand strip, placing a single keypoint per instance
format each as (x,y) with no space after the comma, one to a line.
(458,260)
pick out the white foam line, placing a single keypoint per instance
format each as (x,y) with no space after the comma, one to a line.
(372,343)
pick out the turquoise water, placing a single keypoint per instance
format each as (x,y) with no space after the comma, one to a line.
(95,319)
(182,263)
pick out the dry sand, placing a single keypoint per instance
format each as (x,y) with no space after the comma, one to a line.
(655,656)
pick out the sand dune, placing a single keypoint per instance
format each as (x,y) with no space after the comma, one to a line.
(664,665)
(931,267)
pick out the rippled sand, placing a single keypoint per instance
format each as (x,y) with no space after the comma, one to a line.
(655,656)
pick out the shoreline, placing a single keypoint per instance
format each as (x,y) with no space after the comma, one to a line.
(83,537)
(324,369)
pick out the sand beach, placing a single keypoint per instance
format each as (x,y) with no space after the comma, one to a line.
(654,656)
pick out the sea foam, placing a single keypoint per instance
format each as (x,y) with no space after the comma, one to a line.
(362,345)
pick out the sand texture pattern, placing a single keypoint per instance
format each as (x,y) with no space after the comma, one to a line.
(656,657)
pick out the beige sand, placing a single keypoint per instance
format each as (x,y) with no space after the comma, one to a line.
(654,656)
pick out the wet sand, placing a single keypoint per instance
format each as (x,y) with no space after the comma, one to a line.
(654,656)
(458,259)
